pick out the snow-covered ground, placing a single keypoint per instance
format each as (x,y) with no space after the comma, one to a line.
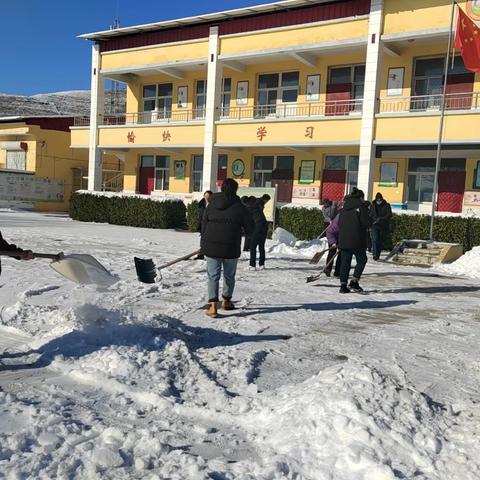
(300,383)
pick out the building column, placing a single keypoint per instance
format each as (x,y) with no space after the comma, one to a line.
(212,109)
(373,69)
(97,107)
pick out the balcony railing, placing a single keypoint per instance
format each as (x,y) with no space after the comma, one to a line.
(146,118)
(430,103)
(334,108)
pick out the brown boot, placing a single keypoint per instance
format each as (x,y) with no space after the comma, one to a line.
(212,310)
(227,304)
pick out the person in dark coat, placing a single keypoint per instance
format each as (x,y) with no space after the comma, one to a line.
(353,222)
(247,201)
(22,254)
(381,214)
(224,221)
(202,205)
(259,236)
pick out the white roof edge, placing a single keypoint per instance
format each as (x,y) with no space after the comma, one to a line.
(202,18)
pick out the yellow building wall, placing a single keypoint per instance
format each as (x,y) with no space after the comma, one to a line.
(80,136)
(397,193)
(135,90)
(154,55)
(132,169)
(407,60)
(152,135)
(411,15)
(256,41)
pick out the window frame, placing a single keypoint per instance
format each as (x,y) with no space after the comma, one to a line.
(199,112)
(197,173)
(263,171)
(279,89)
(156,114)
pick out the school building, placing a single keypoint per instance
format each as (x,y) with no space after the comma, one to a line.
(39,169)
(313,97)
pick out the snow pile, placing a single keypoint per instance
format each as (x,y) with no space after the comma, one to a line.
(280,235)
(351,422)
(286,244)
(468,265)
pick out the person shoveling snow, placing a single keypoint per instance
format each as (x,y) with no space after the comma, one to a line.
(79,268)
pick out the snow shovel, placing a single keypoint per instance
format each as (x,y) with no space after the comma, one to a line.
(318,256)
(79,268)
(314,278)
(147,271)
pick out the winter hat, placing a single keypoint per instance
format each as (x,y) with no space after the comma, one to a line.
(356,193)
(378,196)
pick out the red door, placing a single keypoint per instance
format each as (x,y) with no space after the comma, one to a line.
(333,184)
(459,91)
(451,187)
(282,178)
(339,97)
(146,179)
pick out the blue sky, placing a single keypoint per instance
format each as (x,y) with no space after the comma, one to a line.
(40,51)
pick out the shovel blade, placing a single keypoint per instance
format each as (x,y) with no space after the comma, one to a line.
(84,269)
(146,270)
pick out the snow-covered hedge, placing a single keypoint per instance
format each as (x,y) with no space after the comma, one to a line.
(307,224)
(127,210)
(193,215)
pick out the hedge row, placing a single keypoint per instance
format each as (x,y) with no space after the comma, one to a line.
(193,214)
(131,211)
(307,224)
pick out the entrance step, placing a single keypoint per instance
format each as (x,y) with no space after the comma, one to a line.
(425,253)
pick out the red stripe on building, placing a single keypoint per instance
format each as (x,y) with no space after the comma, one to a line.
(259,21)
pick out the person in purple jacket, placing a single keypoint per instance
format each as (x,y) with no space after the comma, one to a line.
(332,238)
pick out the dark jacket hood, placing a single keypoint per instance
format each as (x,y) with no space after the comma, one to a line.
(351,203)
(221,202)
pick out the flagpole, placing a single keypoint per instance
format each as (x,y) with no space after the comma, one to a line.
(442,122)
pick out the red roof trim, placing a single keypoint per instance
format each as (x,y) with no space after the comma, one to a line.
(262,21)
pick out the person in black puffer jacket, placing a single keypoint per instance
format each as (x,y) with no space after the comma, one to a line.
(354,220)
(259,236)
(22,254)
(381,214)
(224,221)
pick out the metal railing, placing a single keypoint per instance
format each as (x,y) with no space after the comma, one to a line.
(112,181)
(333,108)
(146,118)
(427,103)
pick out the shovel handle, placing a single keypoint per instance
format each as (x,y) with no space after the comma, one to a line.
(178,260)
(17,253)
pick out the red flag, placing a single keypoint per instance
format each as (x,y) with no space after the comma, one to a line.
(467,40)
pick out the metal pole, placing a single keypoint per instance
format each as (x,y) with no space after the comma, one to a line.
(442,121)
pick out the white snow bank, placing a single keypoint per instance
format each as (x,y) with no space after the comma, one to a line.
(286,244)
(468,265)
(351,422)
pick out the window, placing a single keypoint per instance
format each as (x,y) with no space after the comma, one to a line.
(162,172)
(264,167)
(421,177)
(222,167)
(476,176)
(345,89)
(161,164)
(276,89)
(262,171)
(157,99)
(200,98)
(16,160)
(226,96)
(428,82)
(197,173)
(349,163)
(79,179)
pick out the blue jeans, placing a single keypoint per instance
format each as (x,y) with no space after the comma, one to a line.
(214,272)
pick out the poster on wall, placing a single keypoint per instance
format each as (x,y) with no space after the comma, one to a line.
(313,88)
(307,171)
(310,193)
(242,93)
(179,169)
(388,174)
(395,82)
(26,187)
(472,199)
(182,94)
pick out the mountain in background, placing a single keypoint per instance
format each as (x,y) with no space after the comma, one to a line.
(71,103)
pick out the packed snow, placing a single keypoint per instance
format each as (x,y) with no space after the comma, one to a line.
(133,381)
(468,265)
